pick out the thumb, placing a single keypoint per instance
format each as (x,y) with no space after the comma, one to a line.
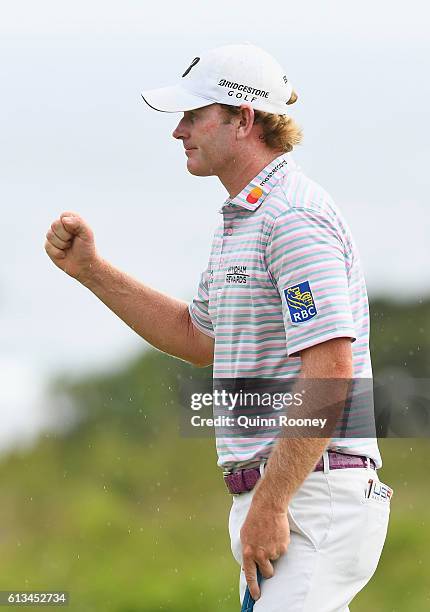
(76,226)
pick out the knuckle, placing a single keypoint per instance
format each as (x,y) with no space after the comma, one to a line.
(261,556)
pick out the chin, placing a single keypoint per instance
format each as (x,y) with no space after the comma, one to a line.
(197,169)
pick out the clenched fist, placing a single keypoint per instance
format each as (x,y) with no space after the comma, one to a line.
(70,245)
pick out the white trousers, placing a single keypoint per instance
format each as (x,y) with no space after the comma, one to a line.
(338,523)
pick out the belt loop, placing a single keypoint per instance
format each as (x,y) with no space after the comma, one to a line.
(262,467)
(368,463)
(326,462)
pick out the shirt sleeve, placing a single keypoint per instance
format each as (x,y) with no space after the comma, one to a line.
(308,261)
(199,307)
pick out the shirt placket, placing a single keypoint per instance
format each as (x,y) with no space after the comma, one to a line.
(229,217)
(219,261)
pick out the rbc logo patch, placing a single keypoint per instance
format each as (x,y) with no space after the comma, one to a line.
(300,302)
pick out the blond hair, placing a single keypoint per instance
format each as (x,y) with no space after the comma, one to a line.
(279,132)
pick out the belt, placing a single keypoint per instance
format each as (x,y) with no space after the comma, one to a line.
(245,480)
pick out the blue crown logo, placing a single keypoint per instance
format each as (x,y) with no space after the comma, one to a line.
(300,302)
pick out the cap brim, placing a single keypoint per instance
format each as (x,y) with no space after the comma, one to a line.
(174,99)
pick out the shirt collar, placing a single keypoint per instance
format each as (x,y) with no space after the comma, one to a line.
(254,194)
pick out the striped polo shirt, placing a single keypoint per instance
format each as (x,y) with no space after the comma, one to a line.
(284,274)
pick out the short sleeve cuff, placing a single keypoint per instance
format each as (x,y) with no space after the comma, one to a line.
(199,323)
(294,348)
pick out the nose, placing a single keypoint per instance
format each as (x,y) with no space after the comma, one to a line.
(180,132)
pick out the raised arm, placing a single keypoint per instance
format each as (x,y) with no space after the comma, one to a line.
(161,320)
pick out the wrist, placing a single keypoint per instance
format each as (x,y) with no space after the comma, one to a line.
(91,276)
(270,499)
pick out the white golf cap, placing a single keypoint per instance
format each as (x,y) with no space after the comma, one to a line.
(231,74)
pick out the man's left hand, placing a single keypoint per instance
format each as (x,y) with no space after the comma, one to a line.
(265,536)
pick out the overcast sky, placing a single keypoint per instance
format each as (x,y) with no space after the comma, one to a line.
(75,135)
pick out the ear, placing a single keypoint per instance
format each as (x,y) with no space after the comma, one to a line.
(246,121)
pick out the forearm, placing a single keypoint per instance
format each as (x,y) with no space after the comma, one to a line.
(326,387)
(161,320)
(290,463)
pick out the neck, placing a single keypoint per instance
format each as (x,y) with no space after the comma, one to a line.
(243,168)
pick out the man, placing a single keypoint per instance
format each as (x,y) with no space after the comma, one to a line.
(283,297)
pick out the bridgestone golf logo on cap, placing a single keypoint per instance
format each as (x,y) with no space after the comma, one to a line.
(245,88)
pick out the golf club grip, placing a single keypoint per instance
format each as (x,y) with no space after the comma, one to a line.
(248,602)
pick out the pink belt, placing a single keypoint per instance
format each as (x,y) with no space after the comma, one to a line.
(246,479)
